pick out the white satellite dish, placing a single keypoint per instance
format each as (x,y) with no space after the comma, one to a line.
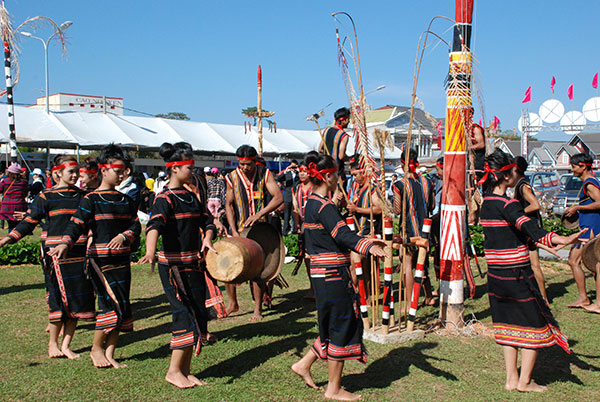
(591,109)
(535,124)
(551,111)
(573,122)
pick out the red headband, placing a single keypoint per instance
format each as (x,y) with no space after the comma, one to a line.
(88,171)
(111,165)
(247,158)
(260,164)
(588,165)
(64,165)
(303,169)
(412,165)
(314,172)
(179,163)
(489,170)
(439,164)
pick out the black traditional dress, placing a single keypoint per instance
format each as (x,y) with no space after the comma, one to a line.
(420,202)
(178,217)
(69,292)
(520,315)
(328,243)
(108,213)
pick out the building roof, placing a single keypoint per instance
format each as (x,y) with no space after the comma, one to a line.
(398,115)
(591,141)
(542,155)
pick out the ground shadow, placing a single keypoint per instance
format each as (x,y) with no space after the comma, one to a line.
(396,365)
(554,365)
(558,289)
(20,288)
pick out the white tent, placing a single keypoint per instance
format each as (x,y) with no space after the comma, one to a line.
(93,130)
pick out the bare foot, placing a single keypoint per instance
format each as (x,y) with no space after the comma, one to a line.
(69,353)
(47,328)
(342,395)
(231,308)
(304,373)
(99,359)
(593,308)
(115,363)
(579,303)
(210,338)
(511,384)
(532,387)
(429,301)
(179,380)
(195,380)
(256,317)
(54,351)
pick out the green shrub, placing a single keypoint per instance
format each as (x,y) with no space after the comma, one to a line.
(291,242)
(23,252)
(554,225)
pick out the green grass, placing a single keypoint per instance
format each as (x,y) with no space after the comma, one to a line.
(251,361)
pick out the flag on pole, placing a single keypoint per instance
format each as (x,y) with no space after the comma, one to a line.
(527,97)
(552,83)
(570,92)
(496,122)
(595,81)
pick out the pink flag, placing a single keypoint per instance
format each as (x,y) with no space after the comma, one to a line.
(496,122)
(438,126)
(595,81)
(570,92)
(527,97)
(552,83)
(479,122)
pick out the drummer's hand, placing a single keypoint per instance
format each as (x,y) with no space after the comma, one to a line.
(377,251)
(148,259)
(252,220)
(571,210)
(207,244)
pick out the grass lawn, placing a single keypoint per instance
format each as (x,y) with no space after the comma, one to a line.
(251,361)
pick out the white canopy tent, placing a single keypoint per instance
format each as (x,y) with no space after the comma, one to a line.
(93,130)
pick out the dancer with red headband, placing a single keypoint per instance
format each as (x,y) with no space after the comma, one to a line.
(328,242)
(521,317)
(112,219)
(69,292)
(176,215)
(588,209)
(252,194)
(300,196)
(417,191)
(88,174)
(336,140)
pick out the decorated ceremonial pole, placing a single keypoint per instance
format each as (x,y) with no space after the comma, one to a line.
(458,118)
(419,275)
(259,112)
(6,39)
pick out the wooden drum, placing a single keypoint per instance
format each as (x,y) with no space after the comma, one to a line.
(590,254)
(239,260)
(271,241)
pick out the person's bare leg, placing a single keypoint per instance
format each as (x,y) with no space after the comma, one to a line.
(302,368)
(579,276)
(232,304)
(175,375)
(53,348)
(97,354)
(534,256)
(187,366)
(68,331)
(595,307)
(510,361)
(257,291)
(526,384)
(334,386)
(111,345)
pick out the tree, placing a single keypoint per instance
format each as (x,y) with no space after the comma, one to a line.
(174,116)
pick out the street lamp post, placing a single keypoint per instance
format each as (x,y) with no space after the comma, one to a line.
(63,26)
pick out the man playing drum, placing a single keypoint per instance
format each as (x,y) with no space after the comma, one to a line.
(248,188)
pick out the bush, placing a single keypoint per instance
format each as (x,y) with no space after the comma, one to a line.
(291,242)
(23,252)
(554,225)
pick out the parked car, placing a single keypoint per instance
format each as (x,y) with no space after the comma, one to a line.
(569,195)
(564,177)
(545,185)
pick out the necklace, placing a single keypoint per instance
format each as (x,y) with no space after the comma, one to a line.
(191,201)
(74,193)
(111,202)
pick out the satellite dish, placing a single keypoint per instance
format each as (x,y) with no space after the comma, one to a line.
(591,109)
(551,111)
(535,124)
(573,122)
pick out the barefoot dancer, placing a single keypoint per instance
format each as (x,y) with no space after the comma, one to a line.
(112,218)
(301,192)
(588,209)
(69,292)
(328,242)
(520,316)
(178,217)
(245,205)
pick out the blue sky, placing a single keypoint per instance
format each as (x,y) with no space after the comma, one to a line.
(201,57)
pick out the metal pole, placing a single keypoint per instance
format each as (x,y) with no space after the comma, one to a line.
(47,77)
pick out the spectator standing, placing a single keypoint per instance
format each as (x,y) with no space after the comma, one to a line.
(288,180)
(14,190)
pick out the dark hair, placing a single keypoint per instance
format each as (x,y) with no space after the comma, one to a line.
(412,156)
(341,113)
(354,161)
(312,153)
(180,151)
(110,152)
(584,158)
(90,163)
(60,159)
(521,164)
(496,160)
(302,163)
(129,160)
(440,161)
(294,161)
(321,161)
(246,151)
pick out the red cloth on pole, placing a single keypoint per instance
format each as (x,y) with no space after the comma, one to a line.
(552,83)
(595,81)
(527,97)
(496,122)
(570,92)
